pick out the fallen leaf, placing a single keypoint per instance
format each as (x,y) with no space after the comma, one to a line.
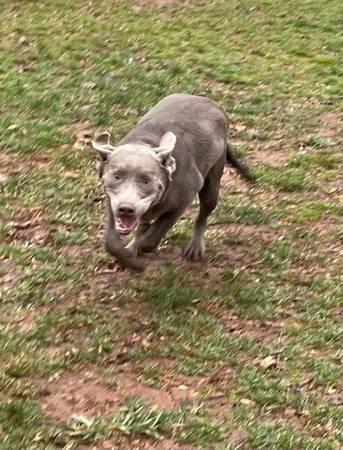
(41,236)
(145,344)
(268,362)
(79,145)
(306,381)
(22,40)
(86,107)
(20,225)
(246,401)
(83,138)
(3,178)
(238,126)
(86,63)
(88,85)
(82,419)
(71,174)
(83,134)
(290,412)
(132,111)
(254,133)
(329,426)
(331,390)
(25,67)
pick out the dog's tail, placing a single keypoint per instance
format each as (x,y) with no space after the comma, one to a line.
(232,160)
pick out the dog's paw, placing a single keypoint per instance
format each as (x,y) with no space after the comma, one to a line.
(195,251)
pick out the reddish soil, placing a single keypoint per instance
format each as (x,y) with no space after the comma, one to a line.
(85,392)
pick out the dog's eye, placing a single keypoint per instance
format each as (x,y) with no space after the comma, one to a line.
(145,180)
(116,176)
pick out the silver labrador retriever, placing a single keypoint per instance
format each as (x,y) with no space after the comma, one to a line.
(176,151)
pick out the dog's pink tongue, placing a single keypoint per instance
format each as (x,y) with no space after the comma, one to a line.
(126,224)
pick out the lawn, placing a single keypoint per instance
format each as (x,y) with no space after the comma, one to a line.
(241,351)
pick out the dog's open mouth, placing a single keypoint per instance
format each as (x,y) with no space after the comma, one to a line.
(125,224)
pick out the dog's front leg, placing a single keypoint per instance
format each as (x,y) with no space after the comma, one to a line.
(132,245)
(156,231)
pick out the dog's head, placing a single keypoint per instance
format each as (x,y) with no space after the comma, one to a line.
(134,176)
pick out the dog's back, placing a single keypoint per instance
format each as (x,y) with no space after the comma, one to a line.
(198,123)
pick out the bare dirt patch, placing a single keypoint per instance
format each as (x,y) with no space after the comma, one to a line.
(10,274)
(128,386)
(26,322)
(273,158)
(54,351)
(328,227)
(260,331)
(27,224)
(78,393)
(237,256)
(331,126)
(87,393)
(31,226)
(232,180)
(9,164)
(261,232)
(83,137)
(334,189)
(12,165)
(35,233)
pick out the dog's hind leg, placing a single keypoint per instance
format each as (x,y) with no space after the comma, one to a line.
(208,197)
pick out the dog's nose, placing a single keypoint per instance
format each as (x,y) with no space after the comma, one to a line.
(126,210)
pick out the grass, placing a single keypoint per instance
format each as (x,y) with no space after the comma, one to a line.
(232,210)
(172,292)
(185,425)
(321,159)
(285,179)
(246,346)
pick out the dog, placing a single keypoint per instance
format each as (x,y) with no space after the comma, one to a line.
(176,151)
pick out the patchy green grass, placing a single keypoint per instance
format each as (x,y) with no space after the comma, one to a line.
(324,160)
(285,179)
(233,210)
(241,351)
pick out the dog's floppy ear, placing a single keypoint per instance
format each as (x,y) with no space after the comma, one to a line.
(101,143)
(164,151)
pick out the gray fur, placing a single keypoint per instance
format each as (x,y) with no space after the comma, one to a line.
(176,151)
